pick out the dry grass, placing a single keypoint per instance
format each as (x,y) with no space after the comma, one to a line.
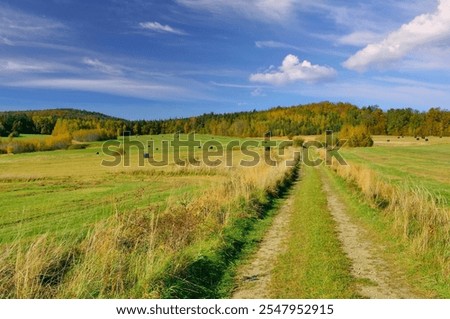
(34,270)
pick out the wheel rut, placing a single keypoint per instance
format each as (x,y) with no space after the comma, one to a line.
(254,277)
(375,280)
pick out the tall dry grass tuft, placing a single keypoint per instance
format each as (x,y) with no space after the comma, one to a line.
(421,218)
(35,270)
(109,265)
(144,252)
(7,272)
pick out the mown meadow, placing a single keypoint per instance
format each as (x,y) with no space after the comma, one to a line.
(74,228)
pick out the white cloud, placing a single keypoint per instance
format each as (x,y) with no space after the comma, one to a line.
(425,29)
(17,25)
(118,79)
(6,41)
(121,87)
(102,67)
(292,70)
(233,85)
(158,27)
(277,45)
(18,65)
(273,10)
(258,92)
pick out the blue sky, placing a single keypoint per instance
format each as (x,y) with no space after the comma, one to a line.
(158,59)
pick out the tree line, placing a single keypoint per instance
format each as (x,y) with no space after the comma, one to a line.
(309,119)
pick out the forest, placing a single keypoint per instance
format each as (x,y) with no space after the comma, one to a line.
(308,119)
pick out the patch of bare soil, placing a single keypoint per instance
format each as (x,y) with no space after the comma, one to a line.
(253,278)
(375,278)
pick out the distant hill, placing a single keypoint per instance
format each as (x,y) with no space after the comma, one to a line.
(308,119)
(44,121)
(63,113)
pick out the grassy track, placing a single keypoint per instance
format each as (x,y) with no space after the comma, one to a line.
(314,264)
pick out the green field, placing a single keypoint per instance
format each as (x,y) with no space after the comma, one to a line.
(65,192)
(65,203)
(408,162)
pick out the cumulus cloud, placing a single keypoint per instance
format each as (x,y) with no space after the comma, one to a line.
(158,27)
(425,29)
(292,70)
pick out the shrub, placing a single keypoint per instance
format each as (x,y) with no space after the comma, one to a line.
(93,135)
(298,141)
(58,142)
(34,145)
(356,136)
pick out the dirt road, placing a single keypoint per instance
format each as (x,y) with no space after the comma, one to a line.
(374,277)
(376,280)
(253,278)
